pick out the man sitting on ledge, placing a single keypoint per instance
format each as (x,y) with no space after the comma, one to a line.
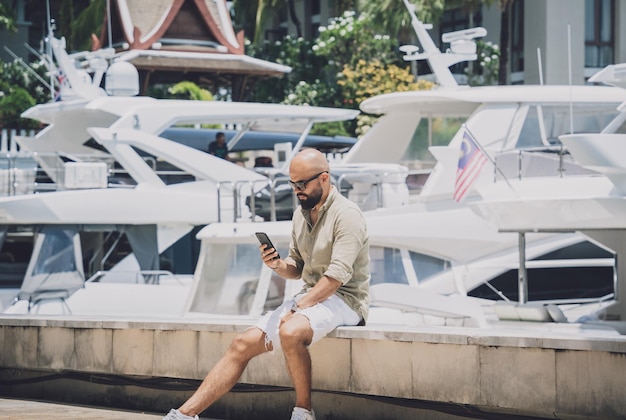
(329,251)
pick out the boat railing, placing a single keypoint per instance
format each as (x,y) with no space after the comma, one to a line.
(279,180)
(375,180)
(577,301)
(18,173)
(235,190)
(542,161)
(139,276)
(220,187)
(97,260)
(23,173)
(238,203)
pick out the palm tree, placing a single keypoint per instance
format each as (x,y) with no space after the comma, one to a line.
(265,9)
(392,17)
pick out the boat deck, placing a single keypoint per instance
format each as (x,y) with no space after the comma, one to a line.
(381,372)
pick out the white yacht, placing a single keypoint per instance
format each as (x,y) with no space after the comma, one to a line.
(434,259)
(437,260)
(590,205)
(100,177)
(116,186)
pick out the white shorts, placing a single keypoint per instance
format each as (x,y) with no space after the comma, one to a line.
(323,317)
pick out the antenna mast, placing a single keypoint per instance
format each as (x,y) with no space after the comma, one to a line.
(49,47)
(462,48)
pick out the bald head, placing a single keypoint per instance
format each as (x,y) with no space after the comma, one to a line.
(310,161)
(309,175)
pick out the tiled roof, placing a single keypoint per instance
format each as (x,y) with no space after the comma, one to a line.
(144,23)
(148,17)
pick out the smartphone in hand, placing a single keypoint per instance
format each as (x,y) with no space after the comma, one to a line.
(264,239)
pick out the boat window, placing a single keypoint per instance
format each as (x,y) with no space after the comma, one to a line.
(14,255)
(228,279)
(386,266)
(580,250)
(556,277)
(558,120)
(57,253)
(621,128)
(552,284)
(431,132)
(426,265)
(168,172)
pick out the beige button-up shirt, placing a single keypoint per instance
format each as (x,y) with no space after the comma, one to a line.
(337,246)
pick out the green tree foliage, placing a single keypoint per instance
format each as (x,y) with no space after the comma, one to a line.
(7,17)
(12,105)
(243,15)
(88,22)
(392,17)
(348,39)
(348,62)
(14,75)
(190,90)
(294,52)
(367,79)
(267,8)
(20,90)
(64,24)
(484,71)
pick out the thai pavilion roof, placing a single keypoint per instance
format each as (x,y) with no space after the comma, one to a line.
(195,37)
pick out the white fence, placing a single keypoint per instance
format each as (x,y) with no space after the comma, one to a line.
(7,139)
(17,173)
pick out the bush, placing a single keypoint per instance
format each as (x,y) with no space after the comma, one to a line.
(485,70)
(12,106)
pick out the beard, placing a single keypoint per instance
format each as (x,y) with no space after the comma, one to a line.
(311,200)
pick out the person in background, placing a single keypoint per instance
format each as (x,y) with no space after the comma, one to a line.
(218,147)
(329,251)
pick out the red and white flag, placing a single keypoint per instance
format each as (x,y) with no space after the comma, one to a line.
(471,161)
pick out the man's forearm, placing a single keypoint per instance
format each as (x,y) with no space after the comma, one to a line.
(287,271)
(324,289)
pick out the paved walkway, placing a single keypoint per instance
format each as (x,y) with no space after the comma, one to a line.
(30,410)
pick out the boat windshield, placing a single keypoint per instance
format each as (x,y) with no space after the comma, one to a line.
(556,120)
(57,253)
(229,277)
(394,265)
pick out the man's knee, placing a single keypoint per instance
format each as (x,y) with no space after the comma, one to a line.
(239,344)
(247,343)
(295,332)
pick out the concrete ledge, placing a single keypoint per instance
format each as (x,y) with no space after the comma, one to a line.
(496,371)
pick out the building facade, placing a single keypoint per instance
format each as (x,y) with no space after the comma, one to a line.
(545,36)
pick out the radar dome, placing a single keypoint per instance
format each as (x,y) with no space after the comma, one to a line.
(122,79)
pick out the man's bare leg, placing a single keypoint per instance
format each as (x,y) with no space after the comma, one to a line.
(226,372)
(295,335)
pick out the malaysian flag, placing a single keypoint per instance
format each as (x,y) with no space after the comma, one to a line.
(63,84)
(471,162)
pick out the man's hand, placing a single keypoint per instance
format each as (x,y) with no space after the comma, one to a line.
(270,257)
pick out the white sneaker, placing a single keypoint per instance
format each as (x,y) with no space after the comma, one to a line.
(177,415)
(300,413)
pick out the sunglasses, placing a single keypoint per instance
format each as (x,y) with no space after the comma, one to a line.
(301,185)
